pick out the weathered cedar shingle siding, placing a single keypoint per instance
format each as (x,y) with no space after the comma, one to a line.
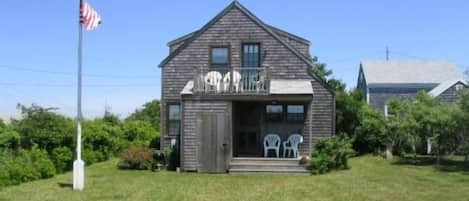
(233,29)
(380,96)
(450,95)
(190,139)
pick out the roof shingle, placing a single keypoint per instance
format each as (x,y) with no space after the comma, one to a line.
(409,72)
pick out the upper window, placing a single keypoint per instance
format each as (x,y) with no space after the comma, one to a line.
(219,56)
(295,112)
(274,112)
(174,119)
(459,87)
(251,55)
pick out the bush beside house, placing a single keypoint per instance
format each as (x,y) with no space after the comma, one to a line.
(42,142)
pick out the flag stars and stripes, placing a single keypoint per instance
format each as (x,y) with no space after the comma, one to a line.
(89,17)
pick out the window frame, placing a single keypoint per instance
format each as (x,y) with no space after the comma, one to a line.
(281,114)
(169,120)
(259,45)
(288,117)
(459,87)
(214,65)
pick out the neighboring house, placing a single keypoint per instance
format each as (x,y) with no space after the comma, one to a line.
(232,82)
(381,81)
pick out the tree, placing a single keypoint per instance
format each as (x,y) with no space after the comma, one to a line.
(138,133)
(44,127)
(110,117)
(401,127)
(464,107)
(9,138)
(149,113)
(423,106)
(371,131)
(348,106)
(320,69)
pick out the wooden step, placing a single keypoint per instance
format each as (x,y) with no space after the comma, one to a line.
(267,165)
(275,171)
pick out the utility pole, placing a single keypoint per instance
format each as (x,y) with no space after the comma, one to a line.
(387,53)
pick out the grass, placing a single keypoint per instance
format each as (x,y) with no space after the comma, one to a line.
(371,178)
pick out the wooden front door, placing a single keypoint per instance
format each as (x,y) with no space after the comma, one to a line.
(214,131)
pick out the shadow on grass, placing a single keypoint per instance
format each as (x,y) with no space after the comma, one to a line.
(447,164)
(65,185)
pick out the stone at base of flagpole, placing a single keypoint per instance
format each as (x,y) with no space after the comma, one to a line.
(78,175)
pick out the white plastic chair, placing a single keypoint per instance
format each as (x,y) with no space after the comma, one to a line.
(291,145)
(212,80)
(271,142)
(236,81)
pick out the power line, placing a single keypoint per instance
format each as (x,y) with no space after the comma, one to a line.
(16,68)
(69,85)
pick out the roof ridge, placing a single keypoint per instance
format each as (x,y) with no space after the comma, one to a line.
(250,15)
(288,34)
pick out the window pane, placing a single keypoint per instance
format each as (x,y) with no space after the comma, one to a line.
(274,112)
(174,112)
(220,55)
(251,55)
(174,119)
(274,109)
(295,112)
(295,109)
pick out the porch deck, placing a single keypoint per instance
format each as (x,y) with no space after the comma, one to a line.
(266,165)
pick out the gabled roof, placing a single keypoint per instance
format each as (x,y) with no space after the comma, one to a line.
(409,72)
(182,38)
(234,4)
(445,86)
(275,29)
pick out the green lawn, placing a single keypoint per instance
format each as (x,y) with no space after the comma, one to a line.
(371,178)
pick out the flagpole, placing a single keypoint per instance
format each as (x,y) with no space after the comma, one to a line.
(78,164)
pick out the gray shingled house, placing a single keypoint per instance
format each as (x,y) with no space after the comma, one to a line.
(381,81)
(228,85)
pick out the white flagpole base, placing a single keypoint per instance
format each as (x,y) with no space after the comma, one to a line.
(78,174)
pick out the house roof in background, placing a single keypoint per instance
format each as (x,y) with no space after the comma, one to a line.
(445,86)
(409,72)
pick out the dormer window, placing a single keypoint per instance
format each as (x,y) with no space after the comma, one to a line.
(251,55)
(459,87)
(219,56)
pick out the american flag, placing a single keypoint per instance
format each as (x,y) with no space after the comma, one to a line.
(89,17)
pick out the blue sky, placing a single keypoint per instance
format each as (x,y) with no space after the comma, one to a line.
(38,43)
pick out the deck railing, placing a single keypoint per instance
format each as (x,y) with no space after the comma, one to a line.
(231,80)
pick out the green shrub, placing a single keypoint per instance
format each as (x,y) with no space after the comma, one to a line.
(44,127)
(42,163)
(171,156)
(102,138)
(140,158)
(9,138)
(21,166)
(63,158)
(138,133)
(331,153)
(89,156)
